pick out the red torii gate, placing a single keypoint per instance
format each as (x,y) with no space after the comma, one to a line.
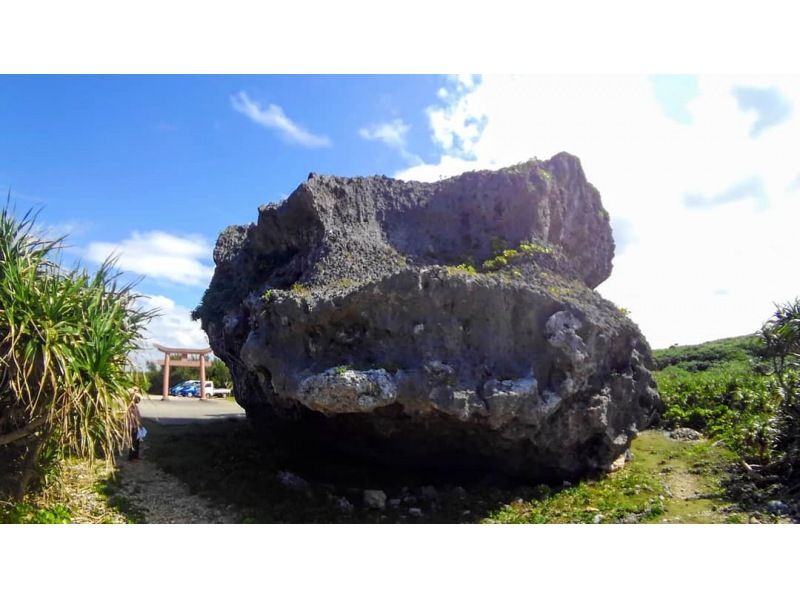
(184,361)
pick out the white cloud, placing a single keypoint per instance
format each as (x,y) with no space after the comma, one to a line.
(464,81)
(458,125)
(751,188)
(273,117)
(161,256)
(645,166)
(393,134)
(66,230)
(446,167)
(172,328)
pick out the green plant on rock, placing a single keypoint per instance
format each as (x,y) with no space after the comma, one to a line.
(561,288)
(300,289)
(464,268)
(496,263)
(345,283)
(503,257)
(545,174)
(558,292)
(533,248)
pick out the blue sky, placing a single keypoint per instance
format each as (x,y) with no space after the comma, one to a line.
(105,156)
(153,167)
(118,151)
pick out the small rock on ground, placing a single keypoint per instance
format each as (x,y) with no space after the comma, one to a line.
(292,481)
(375,499)
(777,507)
(685,434)
(343,505)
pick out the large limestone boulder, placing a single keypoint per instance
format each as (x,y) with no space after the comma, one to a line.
(450,323)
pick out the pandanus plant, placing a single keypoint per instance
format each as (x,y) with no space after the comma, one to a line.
(781,335)
(65,340)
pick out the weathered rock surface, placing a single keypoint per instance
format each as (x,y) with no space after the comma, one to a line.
(375,499)
(450,323)
(685,434)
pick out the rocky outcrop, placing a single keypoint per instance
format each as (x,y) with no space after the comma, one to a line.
(451,323)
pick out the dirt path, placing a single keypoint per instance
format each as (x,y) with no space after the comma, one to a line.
(150,495)
(690,474)
(683,485)
(161,498)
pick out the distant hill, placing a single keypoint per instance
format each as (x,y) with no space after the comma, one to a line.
(698,358)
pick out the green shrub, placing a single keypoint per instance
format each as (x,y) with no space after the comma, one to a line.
(300,289)
(26,513)
(464,268)
(495,263)
(534,249)
(744,390)
(781,335)
(503,257)
(65,336)
(728,401)
(696,358)
(218,372)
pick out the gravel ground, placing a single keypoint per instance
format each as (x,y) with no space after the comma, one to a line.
(76,489)
(162,498)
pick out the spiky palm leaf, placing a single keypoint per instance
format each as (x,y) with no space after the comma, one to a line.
(65,337)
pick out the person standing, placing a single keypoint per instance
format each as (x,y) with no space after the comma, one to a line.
(134,423)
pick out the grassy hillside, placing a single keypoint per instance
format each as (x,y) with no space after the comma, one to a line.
(722,388)
(747,350)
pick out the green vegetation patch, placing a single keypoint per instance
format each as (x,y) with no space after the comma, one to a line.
(27,513)
(667,481)
(65,340)
(723,389)
(504,257)
(697,358)
(300,289)
(728,402)
(464,268)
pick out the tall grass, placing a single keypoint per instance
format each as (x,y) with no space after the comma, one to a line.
(65,336)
